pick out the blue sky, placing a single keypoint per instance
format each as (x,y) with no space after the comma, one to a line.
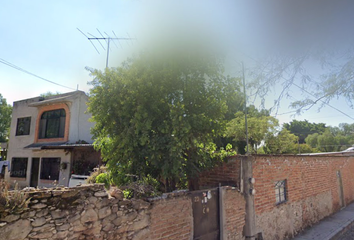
(42,37)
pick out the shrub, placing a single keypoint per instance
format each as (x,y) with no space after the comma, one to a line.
(103,178)
(15,201)
(95,173)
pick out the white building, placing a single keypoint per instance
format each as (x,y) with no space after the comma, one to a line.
(50,140)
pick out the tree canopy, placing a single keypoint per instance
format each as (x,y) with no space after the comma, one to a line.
(5,119)
(304,128)
(259,125)
(160,117)
(333,138)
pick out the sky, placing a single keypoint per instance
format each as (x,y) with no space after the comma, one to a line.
(42,38)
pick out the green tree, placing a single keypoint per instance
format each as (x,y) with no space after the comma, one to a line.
(332,139)
(259,125)
(282,142)
(304,128)
(160,117)
(5,119)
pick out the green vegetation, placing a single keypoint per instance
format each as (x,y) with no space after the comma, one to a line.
(15,201)
(259,125)
(333,138)
(161,120)
(5,119)
(162,116)
(302,129)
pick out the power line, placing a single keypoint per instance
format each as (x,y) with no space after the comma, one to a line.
(3,61)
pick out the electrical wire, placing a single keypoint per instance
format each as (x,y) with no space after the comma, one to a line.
(3,61)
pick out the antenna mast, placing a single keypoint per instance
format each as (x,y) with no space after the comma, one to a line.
(107,39)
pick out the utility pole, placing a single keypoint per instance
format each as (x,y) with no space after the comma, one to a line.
(107,39)
(247,180)
(245,105)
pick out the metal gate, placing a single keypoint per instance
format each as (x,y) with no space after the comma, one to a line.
(206,214)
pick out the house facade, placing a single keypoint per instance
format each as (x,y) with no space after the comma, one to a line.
(50,140)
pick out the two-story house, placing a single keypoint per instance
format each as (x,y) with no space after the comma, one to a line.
(50,140)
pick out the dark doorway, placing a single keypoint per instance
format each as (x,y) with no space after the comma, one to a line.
(205,206)
(34,172)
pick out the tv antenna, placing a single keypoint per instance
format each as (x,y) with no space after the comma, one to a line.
(107,39)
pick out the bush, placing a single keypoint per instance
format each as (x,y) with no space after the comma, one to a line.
(103,178)
(95,173)
(15,201)
(144,188)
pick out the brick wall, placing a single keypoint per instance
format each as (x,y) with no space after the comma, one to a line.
(171,218)
(313,191)
(228,174)
(234,211)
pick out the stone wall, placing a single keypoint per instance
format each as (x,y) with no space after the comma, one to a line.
(83,212)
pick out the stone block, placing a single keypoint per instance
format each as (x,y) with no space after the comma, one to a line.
(16,230)
(104,212)
(89,216)
(41,235)
(10,218)
(42,212)
(63,227)
(101,194)
(116,193)
(28,214)
(58,214)
(39,222)
(39,206)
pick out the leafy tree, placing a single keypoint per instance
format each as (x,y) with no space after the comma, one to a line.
(304,128)
(5,119)
(160,117)
(332,140)
(259,125)
(282,142)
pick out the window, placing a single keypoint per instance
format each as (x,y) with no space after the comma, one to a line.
(19,167)
(280,191)
(52,124)
(23,126)
(50,168)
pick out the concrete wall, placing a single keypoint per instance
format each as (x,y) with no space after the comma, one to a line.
(79,123)
(17,143)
